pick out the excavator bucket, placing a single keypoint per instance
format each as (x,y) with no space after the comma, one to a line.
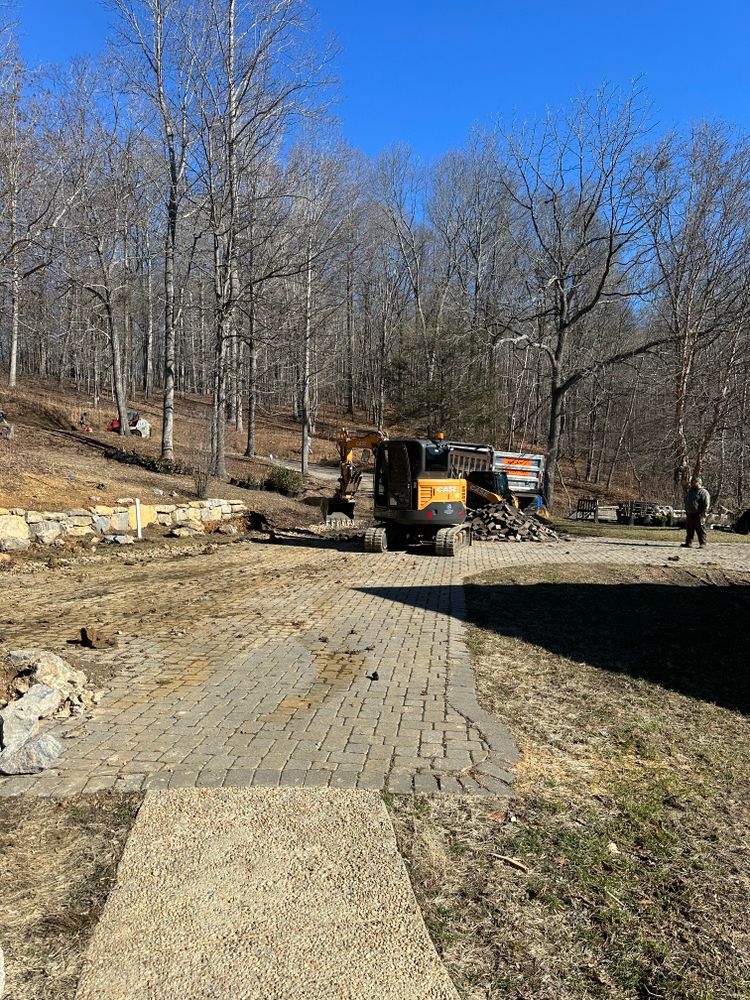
(336,509)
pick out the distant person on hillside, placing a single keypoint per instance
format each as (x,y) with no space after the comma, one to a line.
(697,502)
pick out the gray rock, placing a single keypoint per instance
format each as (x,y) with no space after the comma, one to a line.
(41,667)
(33,756)
(2,973)
(16,726)
(184,532)
(20,719)
(119,539)
(15,544)
(119,522)
(229,529)
(45,532)
(21,657)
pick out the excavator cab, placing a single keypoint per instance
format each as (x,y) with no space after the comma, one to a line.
(416,499)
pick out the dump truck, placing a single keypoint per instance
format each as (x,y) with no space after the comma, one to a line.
(498,475)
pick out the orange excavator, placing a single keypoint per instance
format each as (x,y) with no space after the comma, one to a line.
(416,499)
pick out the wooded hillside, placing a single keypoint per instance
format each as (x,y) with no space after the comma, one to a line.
(181,217)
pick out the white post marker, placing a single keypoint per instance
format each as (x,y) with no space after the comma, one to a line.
(138,528)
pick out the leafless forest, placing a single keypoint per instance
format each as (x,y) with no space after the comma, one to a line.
(182,217)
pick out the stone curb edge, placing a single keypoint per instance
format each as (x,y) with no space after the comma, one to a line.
(462,694)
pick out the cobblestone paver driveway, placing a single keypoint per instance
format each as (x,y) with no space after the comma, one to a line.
(286,664)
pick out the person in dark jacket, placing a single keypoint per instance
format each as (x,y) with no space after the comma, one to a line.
(697,502)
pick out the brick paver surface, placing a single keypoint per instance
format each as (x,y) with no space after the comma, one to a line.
(286,664)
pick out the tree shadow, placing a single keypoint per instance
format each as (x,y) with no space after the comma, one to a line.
(690,639)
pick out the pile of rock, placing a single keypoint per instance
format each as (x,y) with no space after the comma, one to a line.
(502,522)
(45,687)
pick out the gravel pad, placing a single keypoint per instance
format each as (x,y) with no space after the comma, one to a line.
(274,894)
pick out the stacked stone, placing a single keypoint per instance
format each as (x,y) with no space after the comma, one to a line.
(21,528)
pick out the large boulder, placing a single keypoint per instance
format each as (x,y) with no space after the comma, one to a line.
(19,720)
(31,757)
(148,516)
(45,532)
(41,667)
(14,533)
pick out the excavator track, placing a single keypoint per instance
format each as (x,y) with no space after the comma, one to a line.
(449,541)
(376,540)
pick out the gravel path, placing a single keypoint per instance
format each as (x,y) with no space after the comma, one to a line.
(263,894)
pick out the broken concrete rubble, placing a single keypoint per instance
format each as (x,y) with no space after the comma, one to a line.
(45,685)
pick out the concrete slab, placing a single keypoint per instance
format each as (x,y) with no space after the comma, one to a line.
(262,894)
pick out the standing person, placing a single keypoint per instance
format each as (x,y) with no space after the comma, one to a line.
(697,502)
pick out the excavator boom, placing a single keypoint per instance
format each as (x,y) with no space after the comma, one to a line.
(342,501)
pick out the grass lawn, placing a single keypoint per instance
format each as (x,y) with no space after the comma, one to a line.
(58,861)
(587,529)
(620,869)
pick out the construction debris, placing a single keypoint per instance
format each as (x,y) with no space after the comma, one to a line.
(45,687)
(502,522)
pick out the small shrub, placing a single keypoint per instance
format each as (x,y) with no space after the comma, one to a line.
(286,481)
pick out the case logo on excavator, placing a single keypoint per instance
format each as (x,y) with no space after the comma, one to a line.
(453,491)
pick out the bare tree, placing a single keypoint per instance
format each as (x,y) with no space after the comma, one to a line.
(701,242)
(577,184)
(164,37)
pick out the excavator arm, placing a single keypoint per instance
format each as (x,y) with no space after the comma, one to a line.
(350,478)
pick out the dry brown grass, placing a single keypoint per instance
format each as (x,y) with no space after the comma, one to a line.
(621,868)
(58,861)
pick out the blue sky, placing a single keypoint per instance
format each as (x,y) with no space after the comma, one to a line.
(422,72)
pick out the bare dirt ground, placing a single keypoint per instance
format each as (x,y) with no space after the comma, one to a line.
(50,466)
(621,867)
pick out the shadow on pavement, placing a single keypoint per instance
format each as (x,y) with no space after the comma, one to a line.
(694,640)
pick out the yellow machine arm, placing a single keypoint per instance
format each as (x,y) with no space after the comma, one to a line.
(489,497)
(351,471)
(342,501)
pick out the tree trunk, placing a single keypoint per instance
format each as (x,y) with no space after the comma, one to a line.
(148,354)
(218,414)
(167,435)
(252,377)
(15,289)
(117,375)
(554,437)
(349,338)
(306,356)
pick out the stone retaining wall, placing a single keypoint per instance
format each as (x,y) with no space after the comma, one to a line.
(21,528)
